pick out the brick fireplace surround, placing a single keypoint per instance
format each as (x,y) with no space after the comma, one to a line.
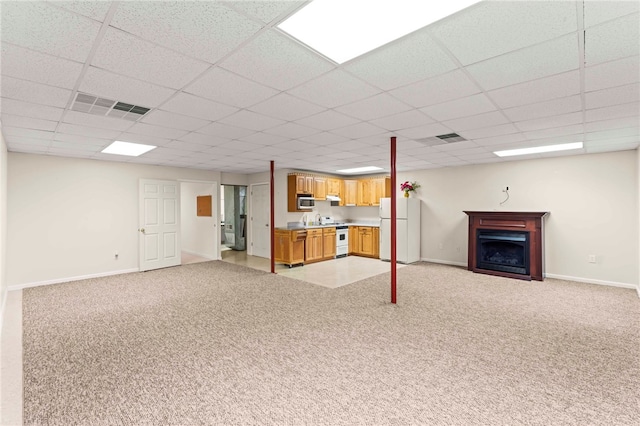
(531,222)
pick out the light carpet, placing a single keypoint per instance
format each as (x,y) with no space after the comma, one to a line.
(217,343)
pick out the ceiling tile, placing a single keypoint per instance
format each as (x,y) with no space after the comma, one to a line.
(487,119)
(500,140)
(622,146)
(324,138)
(186,146)
(374,107)
(36,93)
(203,30)
(613,96)
(90,120)
(228,88)
(30,65)
(96,10)
(543,89)
(186,104)
(94,132)
(425,131)
(286,107)
(522,24)
(417,55)
(124,89)
(157,131)
(613,134)
(148,139)
(202,139)
(471,105)
(359,130)
(442,88)
(504,129)
(262,139)
(596,12)
(556,132)
(542,60)
(615,123)
(611,74)
(333,89)
(225,131)
(251,120)
(128,55)
(79,139)
(613,40)
(45,28)
(550,122)
(545,109)
(277,61)
(328,120)
(404,120)
(27,109)
(174,121)
(615,111)
(292,130)
(265,11)
(28,123)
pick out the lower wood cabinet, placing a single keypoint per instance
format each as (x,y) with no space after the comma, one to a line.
(320,244)
(328,243)
(366,241)
(290,246)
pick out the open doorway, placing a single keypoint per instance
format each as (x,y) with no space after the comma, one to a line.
(233,218)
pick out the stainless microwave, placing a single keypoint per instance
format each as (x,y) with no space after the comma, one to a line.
(306,203)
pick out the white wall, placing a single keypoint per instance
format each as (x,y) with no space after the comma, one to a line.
(199,234)
(638,210)
(3,226)
(592,200)
(66,216)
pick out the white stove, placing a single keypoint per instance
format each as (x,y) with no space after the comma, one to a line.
(342,235)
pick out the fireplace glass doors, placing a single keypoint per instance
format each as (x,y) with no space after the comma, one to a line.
(506,251)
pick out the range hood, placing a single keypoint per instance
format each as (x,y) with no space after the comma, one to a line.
(333,199)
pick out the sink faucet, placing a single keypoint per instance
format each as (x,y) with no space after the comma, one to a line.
(318,217)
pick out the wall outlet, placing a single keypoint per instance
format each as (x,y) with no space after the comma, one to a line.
(115,255)
(591,258)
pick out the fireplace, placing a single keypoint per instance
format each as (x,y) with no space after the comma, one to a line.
(508,244)
(506,251)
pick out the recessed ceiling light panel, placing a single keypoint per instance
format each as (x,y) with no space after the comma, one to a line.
(342,30)
(539,149)
(127,148)
(360,169)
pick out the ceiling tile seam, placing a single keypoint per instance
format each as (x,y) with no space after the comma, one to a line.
(609,21)
(581,62)
(87,64)
(464,70)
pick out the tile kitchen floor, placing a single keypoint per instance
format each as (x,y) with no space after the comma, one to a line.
(329,273)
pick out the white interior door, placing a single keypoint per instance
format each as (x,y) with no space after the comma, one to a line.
(260,218)
(159,224)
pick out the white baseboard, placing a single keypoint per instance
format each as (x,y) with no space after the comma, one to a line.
(193,253)
(69,279)
(445,262)
(556,276)
(590,281)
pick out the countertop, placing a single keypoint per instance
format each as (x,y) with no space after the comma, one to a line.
(291,226)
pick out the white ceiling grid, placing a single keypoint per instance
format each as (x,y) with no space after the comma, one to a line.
(228,91)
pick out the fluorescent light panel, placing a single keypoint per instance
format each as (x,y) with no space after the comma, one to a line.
(360,169)
(539,149)
(342,30)
(128,148)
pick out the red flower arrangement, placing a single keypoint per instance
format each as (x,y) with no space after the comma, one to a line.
(409,186)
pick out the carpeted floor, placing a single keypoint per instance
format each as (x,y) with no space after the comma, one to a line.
(217,343)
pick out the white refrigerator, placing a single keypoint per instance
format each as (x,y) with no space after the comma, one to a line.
(407,229)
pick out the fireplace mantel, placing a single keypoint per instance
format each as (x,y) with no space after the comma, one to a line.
(531,222)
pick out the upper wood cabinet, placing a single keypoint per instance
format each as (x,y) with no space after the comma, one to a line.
(333,186)
(349,196)
(320,188)
(298,185)
(371,190)
(304,184)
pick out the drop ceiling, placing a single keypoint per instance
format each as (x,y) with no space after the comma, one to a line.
(227,91)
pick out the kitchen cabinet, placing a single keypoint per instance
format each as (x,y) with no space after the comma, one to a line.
(328,243)
(313,245)
(289,246)
(298,184)
(371,190)
(366,241)
(320,188)
(349,196)
(333,186)
(353,238)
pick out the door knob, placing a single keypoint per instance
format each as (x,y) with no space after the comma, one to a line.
(141,230)
(266,224)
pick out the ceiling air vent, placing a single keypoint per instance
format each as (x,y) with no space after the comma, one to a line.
(441,139)
(107,107)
